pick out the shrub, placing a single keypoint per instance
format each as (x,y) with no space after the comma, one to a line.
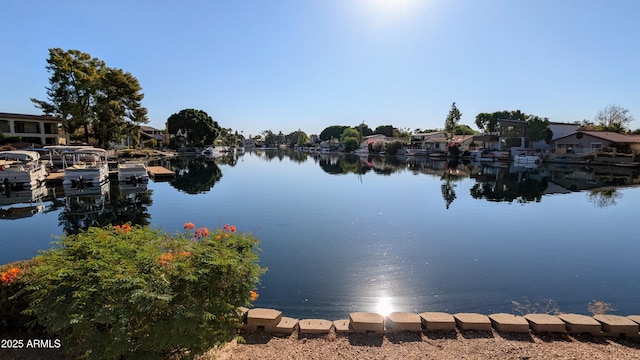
(12,297)
(119,292)
(151,143)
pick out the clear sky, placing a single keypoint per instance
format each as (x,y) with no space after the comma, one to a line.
(285,65)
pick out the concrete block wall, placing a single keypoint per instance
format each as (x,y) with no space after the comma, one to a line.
(272,321)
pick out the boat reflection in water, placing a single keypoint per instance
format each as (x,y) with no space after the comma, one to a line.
(17,204)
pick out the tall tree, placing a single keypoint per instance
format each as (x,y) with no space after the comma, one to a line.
(488,122)
(83,91)
(614,118)
(537,128)
(332,132)
(118,106)
(195,126)
(451,121)
(386,130)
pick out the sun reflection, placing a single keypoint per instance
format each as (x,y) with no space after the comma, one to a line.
(384,306)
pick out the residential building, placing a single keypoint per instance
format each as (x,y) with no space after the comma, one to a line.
(35,129)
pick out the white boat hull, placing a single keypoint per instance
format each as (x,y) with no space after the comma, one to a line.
(132,173)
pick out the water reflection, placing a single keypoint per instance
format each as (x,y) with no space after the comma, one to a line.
(196,175)
(497,182)
(17,204)
(111,203)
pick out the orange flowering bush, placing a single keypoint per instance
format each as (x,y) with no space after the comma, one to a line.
(136,292)
(9,276)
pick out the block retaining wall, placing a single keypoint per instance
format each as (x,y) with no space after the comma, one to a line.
(271,321)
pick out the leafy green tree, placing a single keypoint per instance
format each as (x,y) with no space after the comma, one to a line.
(195,126)
(332,132)
(83,91)
(537,128)
(364,129)
(349,132)
(386,130)
(117,106)
(349,139)
(488,122)
(463,130)
(451,121)
(614,118)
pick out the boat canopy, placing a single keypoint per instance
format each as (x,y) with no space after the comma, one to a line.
(19,155)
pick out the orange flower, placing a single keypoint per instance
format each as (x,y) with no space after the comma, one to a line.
(218,237)
(185,253)
(202,232)
(189,226)
(165,259)
(253,295)
(125,228)
(10,275)
(232,228)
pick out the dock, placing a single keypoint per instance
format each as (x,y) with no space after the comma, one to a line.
(160,173)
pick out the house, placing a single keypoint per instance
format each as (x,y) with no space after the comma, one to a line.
(35,129)
(149,132)
(437,141)
(583,141)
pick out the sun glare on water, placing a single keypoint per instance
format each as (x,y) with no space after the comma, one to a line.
(384,306)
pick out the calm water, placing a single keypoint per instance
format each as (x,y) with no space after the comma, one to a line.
(340,234)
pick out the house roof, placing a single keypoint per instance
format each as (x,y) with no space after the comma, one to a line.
(29,117)
(148,128)
(608,136)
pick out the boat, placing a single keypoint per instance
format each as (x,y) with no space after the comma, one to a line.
(527,160)
(85,166)
(415,152)
(134,172)
(214,151)
(21,169)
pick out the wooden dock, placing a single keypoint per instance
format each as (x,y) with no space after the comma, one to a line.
(160,173)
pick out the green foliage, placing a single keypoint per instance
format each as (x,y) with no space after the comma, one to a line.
(451,122)
(151,143)
(489,122)
(386,130)
(83,91)
(537,128)
(463,130)
(332,132)
(350,143)
(122,292)
(392,147)
(196,127)
(349,133)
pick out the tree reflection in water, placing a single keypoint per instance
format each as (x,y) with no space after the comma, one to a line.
(194,175)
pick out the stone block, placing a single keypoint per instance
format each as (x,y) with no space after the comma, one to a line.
(541,323)
(438,321)
(472,321)
(577,323)
(615,324)
(242,313)
(366,322)
(263,317)
(509,323)
(315,326)
(634,318)
(341,326)
(286,326)
(403,321)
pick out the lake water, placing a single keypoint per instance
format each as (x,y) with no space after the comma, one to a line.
(342,234)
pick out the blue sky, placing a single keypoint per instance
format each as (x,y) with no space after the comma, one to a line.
(308,64)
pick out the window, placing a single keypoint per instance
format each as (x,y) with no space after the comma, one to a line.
(4,127)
